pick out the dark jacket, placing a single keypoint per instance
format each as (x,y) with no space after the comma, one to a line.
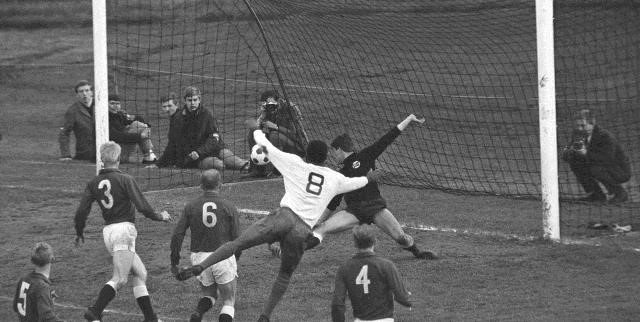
(200,133)
(118,123)
(79,120)
(172,154)
(602,150)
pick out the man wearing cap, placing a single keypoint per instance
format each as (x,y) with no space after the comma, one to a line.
(129,130)
(201,142)
(79,120)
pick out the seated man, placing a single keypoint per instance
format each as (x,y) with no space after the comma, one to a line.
(200,143)
(79,119)
(129,130)
(595,157)
(172,151)
(276,120)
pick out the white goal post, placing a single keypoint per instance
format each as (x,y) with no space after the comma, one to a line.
(101,79)
(547,115)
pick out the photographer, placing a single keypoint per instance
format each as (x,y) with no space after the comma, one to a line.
(595,157)
(276,120)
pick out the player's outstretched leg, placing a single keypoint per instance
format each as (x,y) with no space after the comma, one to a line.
(385,220)
(340,221)
(292,249)
(140,291)
(265,230)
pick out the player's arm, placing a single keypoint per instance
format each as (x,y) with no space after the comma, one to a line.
(350,184)
(374,150)
(400,293)
(141,203)
(82,213)
(212,141)
(44,305)
(339,295)
(64,134)
(178,237)
(235,228)
(281,160)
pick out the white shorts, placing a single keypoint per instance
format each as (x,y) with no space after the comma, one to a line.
(120,236)
(221,273)
(378,320)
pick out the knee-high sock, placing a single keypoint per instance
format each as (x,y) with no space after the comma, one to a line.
(107,293)
(277,291)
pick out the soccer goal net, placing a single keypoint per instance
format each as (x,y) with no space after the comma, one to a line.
(359,67)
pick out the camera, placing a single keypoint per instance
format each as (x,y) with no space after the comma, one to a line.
(271,107)
(578,145)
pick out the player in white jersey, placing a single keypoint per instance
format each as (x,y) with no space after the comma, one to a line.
(309,187)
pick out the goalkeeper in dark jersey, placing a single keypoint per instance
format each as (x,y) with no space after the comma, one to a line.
(118,196)
(365,205)
(213,221)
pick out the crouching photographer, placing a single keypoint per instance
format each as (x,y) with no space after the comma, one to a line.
(595,157)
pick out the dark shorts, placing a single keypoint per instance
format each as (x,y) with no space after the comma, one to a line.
(366,211)
(281,225)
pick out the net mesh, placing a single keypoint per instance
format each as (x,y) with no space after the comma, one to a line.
(359,67)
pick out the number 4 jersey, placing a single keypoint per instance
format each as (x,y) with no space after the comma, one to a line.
(372,283)
(213,221)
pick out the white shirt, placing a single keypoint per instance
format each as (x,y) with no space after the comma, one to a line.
(308,187)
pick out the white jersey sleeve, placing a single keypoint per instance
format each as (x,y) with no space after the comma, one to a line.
(308,187)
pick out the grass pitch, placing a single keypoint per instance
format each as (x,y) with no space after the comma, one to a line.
(493,265)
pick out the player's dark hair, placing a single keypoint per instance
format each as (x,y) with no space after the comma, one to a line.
(114,97)
(269,93)
(317,152)
(190,91)
(210,179)
(363,237)
(344,142)
(587,115)
(170,97)
(42,254)
(81,83)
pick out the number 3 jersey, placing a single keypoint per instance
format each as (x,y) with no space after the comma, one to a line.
(118,196)
(372,283)
(213,221)
(308,187)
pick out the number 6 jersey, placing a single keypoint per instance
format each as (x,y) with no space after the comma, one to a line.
(213,221)
(308,187)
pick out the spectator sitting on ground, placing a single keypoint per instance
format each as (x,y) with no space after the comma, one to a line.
(79,120)
(201,144)
(172,152)
(129,130)
(595,157)
(276,119)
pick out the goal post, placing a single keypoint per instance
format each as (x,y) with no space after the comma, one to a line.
(547,115)
(101,78)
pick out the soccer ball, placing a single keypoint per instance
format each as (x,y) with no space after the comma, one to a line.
(259,155)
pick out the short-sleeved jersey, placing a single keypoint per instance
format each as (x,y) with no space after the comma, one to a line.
(372,283)
(308,187)
(213,221)
(118,196)
(359,164)
(33,299)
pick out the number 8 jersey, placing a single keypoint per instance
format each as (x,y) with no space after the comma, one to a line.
(308,187)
